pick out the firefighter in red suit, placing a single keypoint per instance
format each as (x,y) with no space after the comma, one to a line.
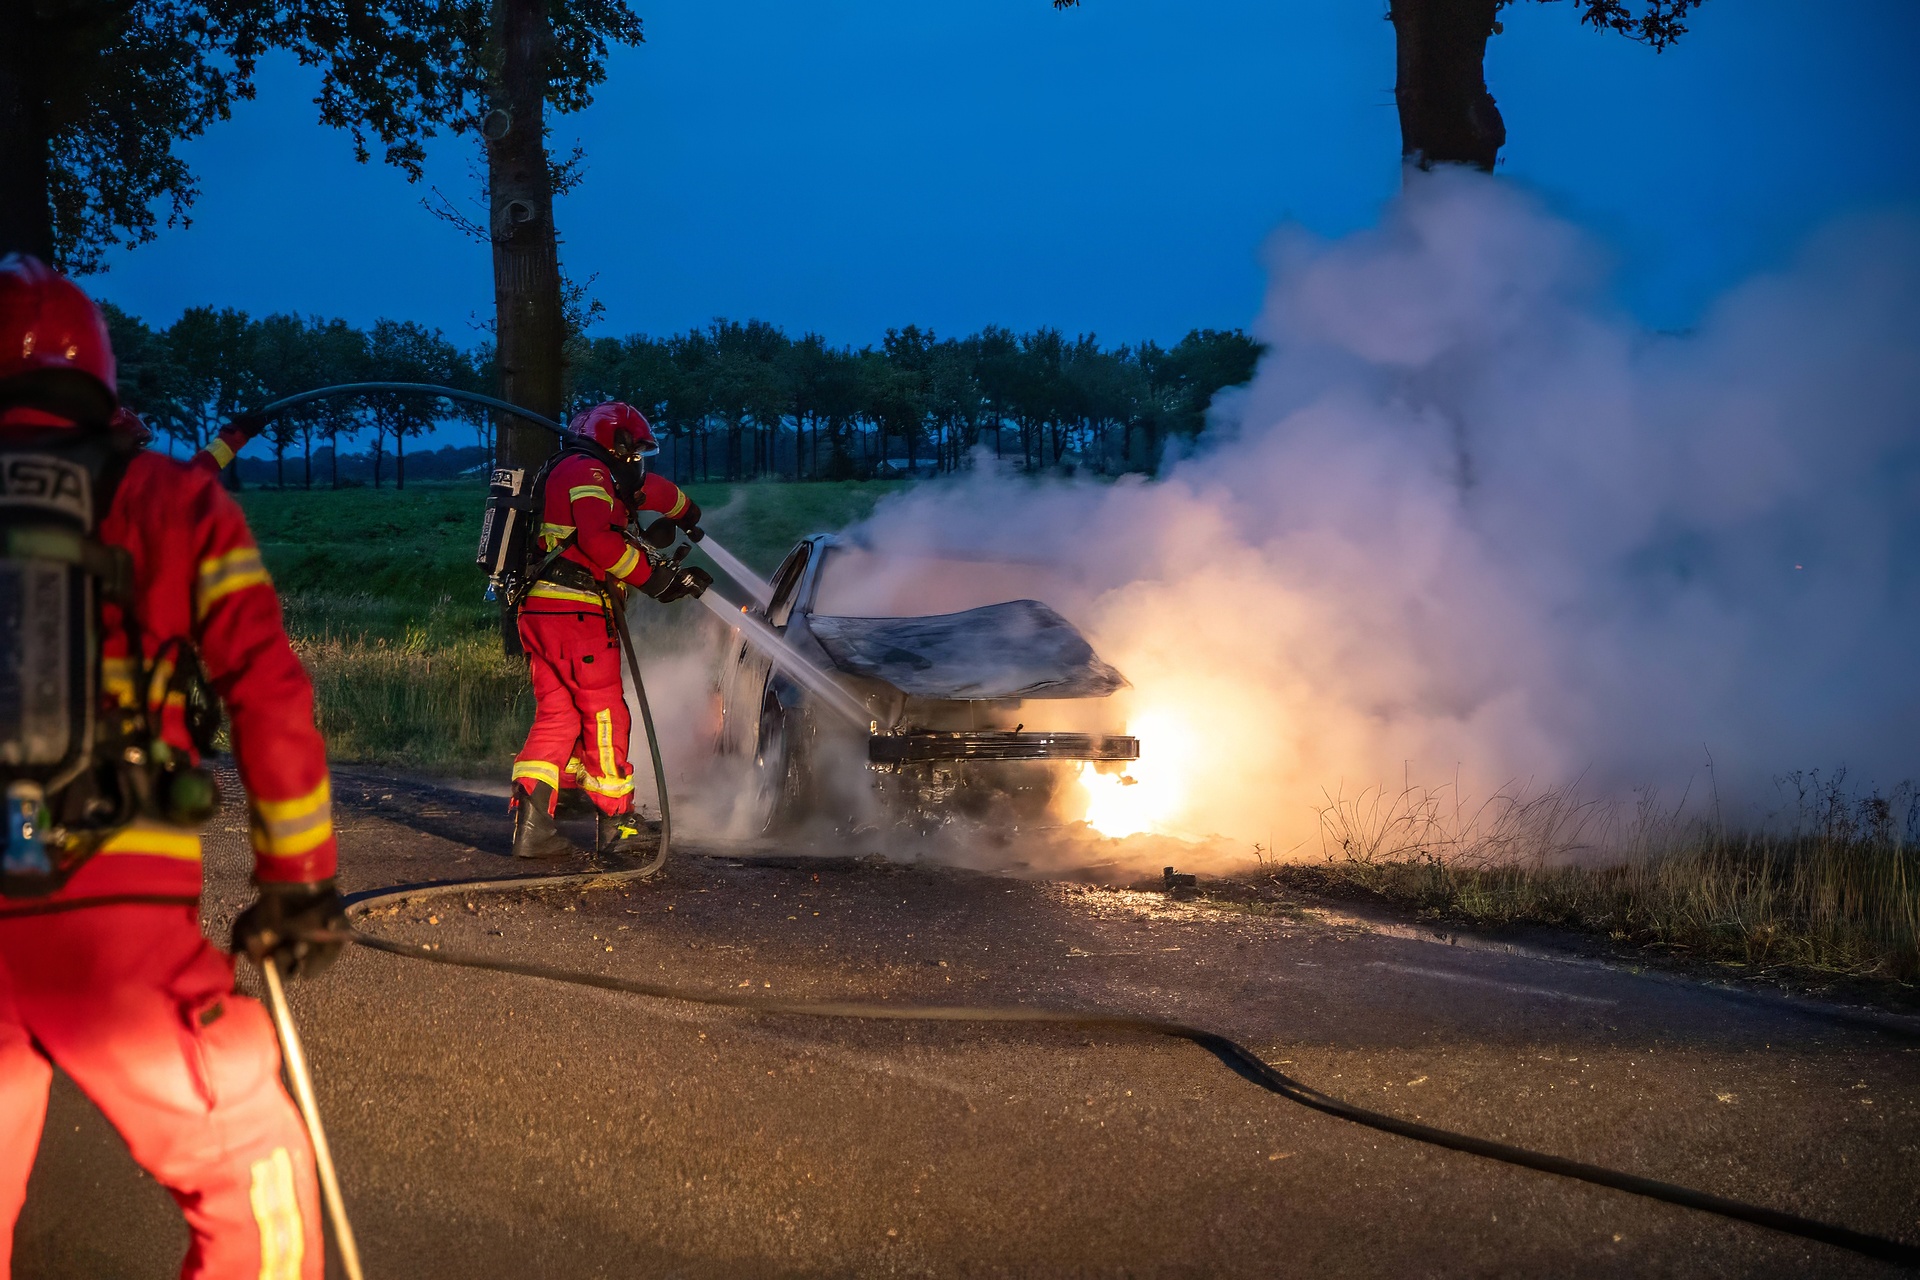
(581,726)
(110,978)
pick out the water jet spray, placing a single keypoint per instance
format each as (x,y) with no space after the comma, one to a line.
(736,568)
(774,646)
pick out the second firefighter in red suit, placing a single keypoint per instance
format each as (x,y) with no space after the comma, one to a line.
(110,978)
(581,725)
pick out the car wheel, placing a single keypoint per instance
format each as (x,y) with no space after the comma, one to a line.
(777,785)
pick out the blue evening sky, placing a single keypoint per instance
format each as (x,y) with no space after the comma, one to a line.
(846,165)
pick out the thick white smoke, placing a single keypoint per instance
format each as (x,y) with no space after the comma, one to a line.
(1470,526)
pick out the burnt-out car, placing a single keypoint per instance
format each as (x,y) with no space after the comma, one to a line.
(978,700)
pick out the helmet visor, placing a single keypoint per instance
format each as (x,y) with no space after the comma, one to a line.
(629,446)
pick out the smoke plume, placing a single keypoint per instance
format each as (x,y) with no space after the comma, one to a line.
(1470,527)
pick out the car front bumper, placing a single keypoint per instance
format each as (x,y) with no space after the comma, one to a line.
(929,747)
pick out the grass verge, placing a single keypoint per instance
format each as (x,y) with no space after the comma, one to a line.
(1835,895)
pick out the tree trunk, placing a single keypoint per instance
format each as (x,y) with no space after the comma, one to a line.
(399,459)
(530,329)
(1446,114)
(26,212)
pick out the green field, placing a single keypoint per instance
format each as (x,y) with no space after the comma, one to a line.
(387,608)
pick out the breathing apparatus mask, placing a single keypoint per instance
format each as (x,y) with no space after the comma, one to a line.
(81,748)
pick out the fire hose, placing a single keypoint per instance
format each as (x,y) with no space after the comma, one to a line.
(1236,1057)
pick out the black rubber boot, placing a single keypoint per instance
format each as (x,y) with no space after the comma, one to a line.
(534,835)
(573,803)
(625,833)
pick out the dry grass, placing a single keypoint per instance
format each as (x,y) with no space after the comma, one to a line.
(459,706)
(1832,888)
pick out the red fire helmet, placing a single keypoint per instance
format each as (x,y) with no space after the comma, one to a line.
(619,428)
(56,363)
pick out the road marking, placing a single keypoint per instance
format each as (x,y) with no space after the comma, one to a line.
(1511,988)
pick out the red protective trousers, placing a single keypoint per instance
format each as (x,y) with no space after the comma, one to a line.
(580,708)
(140,1010)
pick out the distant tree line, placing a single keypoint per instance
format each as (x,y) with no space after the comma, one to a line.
(729,401)
(189,379)
(735,401)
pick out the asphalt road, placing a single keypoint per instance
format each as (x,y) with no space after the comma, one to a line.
(498,1126)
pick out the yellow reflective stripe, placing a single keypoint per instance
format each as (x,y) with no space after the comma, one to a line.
(276,1212)
(554,591)
(220,451)
(157,681)
(608,786)
(221,576)
(679,505)
(296,844)
(609,765)
(552,535)
(321,797)
(288,828)
(575,768)
(626,563)
(597,492)
(116,681)
(537,771)
(154,840)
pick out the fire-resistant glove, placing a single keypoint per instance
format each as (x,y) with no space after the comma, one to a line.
(672,581)
(284,922)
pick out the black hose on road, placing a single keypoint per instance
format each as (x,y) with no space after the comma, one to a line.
(1243,1061)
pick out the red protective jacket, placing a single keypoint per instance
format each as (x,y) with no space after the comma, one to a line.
(198,575)
(581,500)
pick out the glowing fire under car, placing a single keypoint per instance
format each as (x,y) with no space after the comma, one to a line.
(983,702)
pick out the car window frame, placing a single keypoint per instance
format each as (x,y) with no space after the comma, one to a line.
(786,585)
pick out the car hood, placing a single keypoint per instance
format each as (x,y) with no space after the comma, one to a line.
(1020,649)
